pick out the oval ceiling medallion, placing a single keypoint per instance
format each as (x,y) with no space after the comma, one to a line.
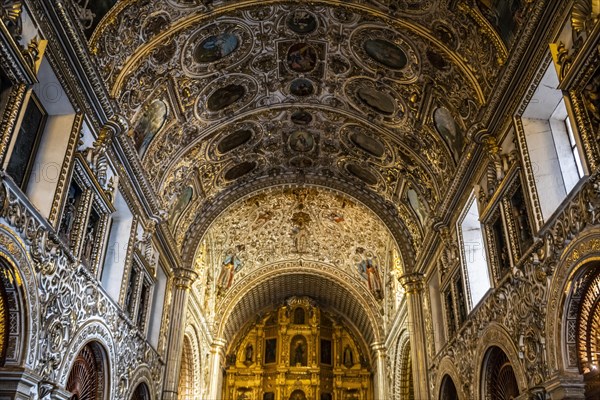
(301,141)
(362,173)
(301,57)
(446,126)
(301,118)
(239,170)
(301,87)
(225,97)
(386,53)
(367,144)
(214,48)
(302,22)
(234,140)
(151,122)
(378,101)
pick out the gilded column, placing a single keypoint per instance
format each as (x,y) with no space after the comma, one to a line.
(215,379)
(182,283)
(413,286)
(381,389)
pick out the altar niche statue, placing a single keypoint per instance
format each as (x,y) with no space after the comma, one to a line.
(348,359)
(231,265)
(299,351)
(248,354)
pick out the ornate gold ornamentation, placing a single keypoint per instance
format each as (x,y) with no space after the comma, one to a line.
(64,170)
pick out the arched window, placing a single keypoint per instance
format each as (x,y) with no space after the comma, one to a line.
(141,392)
(186,373)
(88,379)
(448,390)
(499,380)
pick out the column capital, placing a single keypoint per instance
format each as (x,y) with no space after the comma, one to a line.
(219,343)
(184,277)
(378,347)
(412,282)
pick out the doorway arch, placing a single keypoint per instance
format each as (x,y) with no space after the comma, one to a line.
(498,375)
(88,378)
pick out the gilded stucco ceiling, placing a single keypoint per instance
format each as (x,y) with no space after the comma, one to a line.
(311,231)
(373,99)
(377,94)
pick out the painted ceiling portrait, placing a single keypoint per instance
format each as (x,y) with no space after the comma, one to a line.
(376,96)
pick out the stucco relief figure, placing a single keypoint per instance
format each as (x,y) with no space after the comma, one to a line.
(370,272)
(300,230)
(230,266)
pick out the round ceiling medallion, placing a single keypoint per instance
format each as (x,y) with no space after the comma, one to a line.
(301,57)
(225,97)
(239,170)
(234,140)
(362,173)
(386,53)
(301,118)
(301,87)
(367,144)
(301,162)
(302,22)
(378,101)
(216,47)
(301,141)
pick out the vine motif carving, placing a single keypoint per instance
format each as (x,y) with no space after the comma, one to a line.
(70,298)
(520,302)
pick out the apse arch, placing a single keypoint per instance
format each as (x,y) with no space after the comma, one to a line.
(325,284)
(385,212)
(496,337)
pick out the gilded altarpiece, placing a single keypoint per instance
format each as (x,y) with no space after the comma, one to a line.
(297,352)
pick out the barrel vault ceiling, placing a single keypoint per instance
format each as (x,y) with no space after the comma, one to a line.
(370,98)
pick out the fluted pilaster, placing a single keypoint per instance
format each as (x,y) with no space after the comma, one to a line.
(413,286)
(182,282)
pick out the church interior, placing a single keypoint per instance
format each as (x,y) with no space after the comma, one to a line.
(299,200)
